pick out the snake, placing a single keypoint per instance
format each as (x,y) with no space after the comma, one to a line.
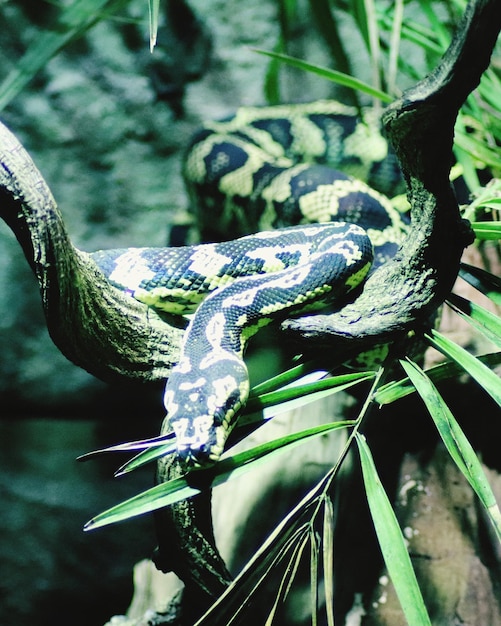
(249,187)
(287,225)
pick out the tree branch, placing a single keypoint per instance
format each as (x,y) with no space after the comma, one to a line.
(95,325)
(404,292)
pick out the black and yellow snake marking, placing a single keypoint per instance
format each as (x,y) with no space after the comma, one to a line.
(273,167)
(264,170)
(210,384)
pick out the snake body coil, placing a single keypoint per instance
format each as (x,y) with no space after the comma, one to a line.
(265,168)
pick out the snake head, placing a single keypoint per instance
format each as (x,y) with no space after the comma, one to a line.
(202,411)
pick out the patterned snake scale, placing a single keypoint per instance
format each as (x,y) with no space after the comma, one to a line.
(318,233)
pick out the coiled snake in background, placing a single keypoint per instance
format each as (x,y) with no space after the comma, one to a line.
(265,168)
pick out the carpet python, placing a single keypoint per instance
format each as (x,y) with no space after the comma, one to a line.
(286,181)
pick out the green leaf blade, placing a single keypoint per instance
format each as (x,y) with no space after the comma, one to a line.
(153,7)
(229,468)
(456,442)
(392,542)
(150,500)
(487,230)
(305,393)
(333,75)
(485,282)
(480,318)
(484,376)
(392,391)
(146,456)
(328,558)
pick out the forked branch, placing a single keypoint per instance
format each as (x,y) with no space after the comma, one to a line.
(403,293)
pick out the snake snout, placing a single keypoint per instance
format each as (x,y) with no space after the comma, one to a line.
(194,439)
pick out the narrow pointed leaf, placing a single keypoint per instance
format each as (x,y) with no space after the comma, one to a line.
(288,377)
(299,395)
(141,444)
(146,456)
(486,322)
(181,488)
(392,542)
(445,371)
(328,558)
(314,552)
(485,282)
(487,230)
(484,376)
(333,75)
(145,502)
(153,7)
(456,442)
